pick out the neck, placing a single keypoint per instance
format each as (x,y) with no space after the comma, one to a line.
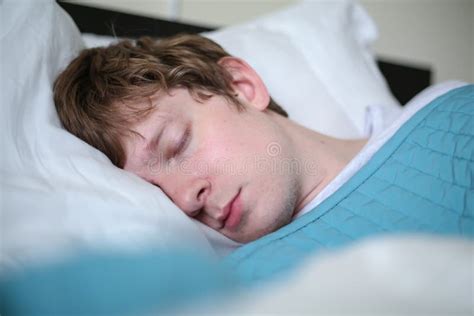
(323,157)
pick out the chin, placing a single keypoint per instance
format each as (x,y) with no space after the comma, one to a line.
(259,232)
(272,220)
(247,238)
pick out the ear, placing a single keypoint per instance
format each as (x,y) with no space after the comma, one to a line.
(246,82)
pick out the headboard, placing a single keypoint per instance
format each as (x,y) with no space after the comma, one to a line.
(405,81)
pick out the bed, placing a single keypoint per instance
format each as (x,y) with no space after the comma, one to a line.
(80,236)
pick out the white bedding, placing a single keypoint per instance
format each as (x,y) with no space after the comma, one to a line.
(59,194)
(409,275)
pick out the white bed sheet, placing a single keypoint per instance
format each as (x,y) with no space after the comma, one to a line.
(409,275)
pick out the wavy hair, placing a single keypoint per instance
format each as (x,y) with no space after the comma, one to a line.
(94,95)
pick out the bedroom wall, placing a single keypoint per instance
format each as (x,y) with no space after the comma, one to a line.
(438,33)
(434,33)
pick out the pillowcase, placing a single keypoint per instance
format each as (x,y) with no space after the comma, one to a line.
(316,60)
(58,193)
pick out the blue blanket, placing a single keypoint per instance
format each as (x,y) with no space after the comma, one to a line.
(111,282)
(420,181)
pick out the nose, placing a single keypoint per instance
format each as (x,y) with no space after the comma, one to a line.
(191,196)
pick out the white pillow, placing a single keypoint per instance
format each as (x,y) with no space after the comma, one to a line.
(58,193)
(316,61)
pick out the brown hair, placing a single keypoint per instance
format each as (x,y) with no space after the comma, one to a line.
(93,94)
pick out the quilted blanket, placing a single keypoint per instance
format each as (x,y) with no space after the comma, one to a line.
(420,181)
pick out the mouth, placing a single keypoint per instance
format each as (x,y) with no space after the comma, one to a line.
(234,215)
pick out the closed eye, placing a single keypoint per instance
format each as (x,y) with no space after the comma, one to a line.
(183,143)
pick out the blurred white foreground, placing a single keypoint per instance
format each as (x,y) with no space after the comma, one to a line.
(392,275)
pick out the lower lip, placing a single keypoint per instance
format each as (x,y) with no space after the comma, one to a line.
(235,213)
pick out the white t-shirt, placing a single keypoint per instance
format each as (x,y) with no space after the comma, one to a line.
(380,135)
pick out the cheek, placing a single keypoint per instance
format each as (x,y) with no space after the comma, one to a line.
(217,157)
(232,148)
(219,142)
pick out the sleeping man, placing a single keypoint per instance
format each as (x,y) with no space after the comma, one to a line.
(200,124)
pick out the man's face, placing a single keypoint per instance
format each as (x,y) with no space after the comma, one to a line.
(227,169)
